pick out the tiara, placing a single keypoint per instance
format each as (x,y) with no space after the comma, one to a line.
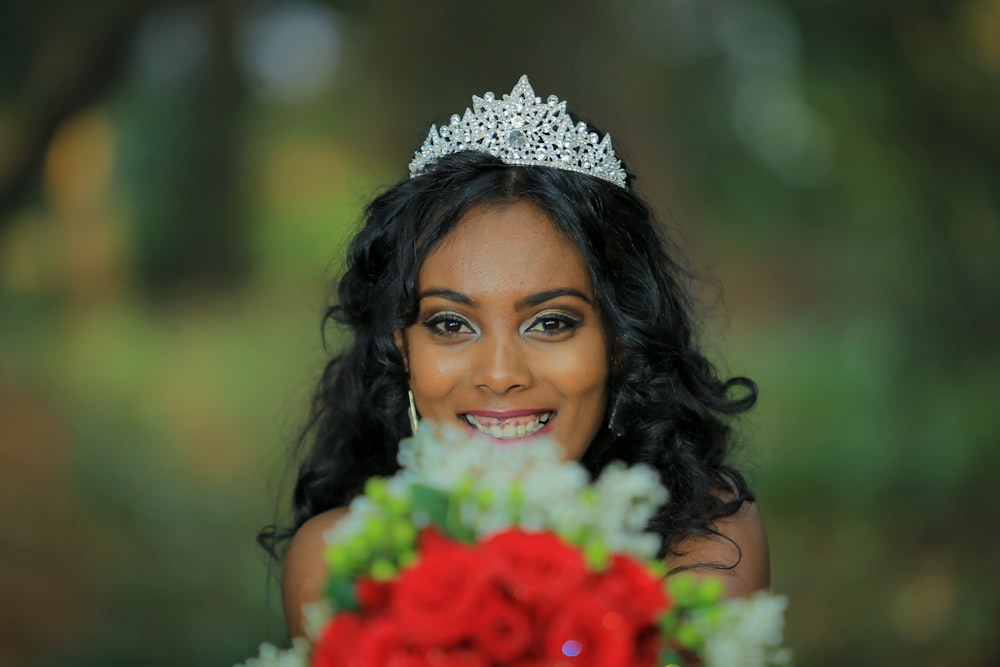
(520,129)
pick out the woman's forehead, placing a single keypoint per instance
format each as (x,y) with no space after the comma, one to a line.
(505,248)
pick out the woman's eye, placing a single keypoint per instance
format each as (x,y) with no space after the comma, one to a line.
(447,325)
(554,324)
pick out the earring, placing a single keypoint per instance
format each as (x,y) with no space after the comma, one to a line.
(414,422)
(615,428)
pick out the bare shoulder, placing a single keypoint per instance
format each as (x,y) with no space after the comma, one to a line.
(741,549)
(304,572)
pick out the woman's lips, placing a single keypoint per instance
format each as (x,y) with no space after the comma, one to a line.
(508,425)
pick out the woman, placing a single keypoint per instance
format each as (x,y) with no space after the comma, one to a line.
(515,285)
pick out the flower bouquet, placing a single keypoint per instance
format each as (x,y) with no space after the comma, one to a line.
(487,556)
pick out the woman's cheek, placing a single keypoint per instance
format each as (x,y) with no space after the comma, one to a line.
(577,369)
(435,372)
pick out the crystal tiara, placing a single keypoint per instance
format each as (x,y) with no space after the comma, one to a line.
(520,129)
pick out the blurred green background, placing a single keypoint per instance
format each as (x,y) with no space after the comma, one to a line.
(178,181)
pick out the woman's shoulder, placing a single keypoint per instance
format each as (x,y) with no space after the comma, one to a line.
(305,569)
(738,552)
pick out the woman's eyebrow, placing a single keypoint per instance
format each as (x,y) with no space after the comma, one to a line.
(539,298)
(449,295)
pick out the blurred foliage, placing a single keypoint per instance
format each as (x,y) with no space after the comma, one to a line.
(179,179)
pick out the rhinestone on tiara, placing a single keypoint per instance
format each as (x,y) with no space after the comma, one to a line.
(520,129)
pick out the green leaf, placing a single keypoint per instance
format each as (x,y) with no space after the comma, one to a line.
(670,658)
(456,527)
(668,623)
(432,502)
(340,591)
(443,511)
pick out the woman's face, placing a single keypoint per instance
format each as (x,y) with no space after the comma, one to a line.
(508,340)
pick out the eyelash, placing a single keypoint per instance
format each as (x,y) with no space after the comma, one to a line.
(566,323)
(434,323)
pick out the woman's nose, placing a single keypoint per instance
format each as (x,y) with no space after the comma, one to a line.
(501,366)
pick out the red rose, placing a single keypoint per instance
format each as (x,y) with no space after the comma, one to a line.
(456,658)
(382,644)
(632,589)
(504,631)
(431,538)
(588,631)
(648,647)
(335,647)
(537,568)
(437,601)
(374,596)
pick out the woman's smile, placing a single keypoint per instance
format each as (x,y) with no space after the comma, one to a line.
(509,425)
(509,341)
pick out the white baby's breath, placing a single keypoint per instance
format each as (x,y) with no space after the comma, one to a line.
(314,617)
(529,486)
(746,632)
(629,497)
(272,656)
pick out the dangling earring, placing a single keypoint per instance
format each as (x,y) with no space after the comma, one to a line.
(414,422)
(613,426)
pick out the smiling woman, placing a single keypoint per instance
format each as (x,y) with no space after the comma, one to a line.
(516,286)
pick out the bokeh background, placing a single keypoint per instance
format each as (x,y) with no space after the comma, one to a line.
(178,181)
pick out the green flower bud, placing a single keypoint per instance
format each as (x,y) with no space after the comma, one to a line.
(375,532)
(338,559)
(377,489)
(407,558)
(596,554)
(516,496)
(398,506)
(357,551)
(689,637)
(484,498)
(711,591)
(382,570)
(464,487)
(714,616)
(684,590)
(402,535)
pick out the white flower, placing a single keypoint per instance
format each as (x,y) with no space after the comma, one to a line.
(531,487)
(748,633)
(629,497)
(271,656)
(315,615)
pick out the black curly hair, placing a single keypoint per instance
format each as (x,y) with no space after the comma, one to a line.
(672,412)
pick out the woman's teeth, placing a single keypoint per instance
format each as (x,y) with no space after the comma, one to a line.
(507,429)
